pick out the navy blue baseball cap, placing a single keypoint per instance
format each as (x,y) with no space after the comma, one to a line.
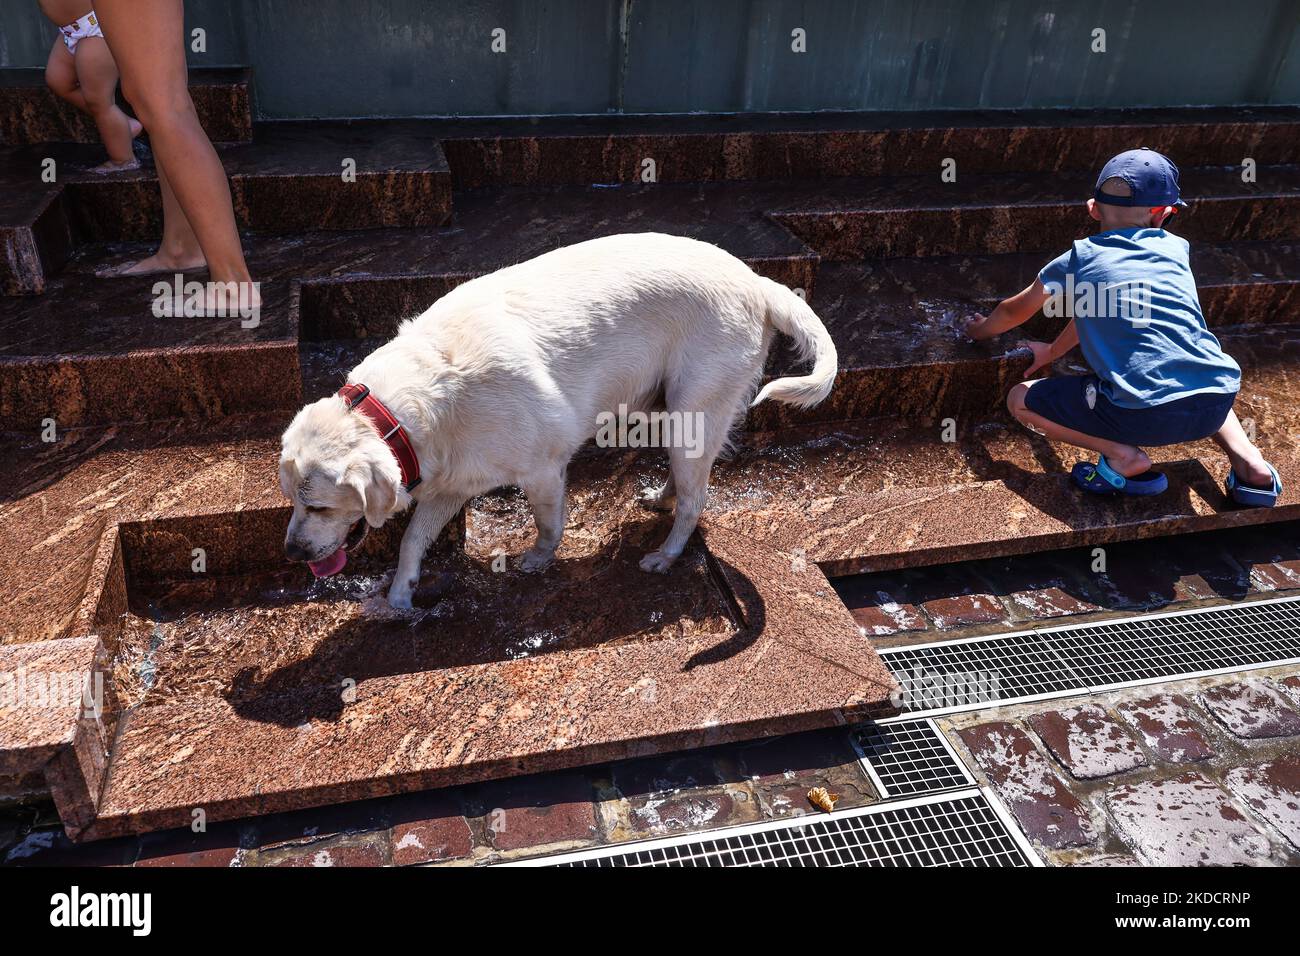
(1152,178)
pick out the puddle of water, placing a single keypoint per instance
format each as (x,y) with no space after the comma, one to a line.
(269,635)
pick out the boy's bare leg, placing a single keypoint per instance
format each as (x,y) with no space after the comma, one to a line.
(179,250)
(97,75)
(1127,460)
(1247,462)
(61,76)
(147,40)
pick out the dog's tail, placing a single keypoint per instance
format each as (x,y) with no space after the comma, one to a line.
(790,314)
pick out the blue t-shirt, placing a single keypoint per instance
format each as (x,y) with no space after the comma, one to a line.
(1133,299)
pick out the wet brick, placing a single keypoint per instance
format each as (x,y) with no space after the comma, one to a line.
(1023,777)
(1088,741)
(1169,728)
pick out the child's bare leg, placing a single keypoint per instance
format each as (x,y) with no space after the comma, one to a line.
(97,74)
(1247,462)
(1127,460)
(61,75)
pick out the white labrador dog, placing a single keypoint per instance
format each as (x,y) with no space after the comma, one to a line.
(505,377)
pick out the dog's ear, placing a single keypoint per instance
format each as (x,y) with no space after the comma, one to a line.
(376,486)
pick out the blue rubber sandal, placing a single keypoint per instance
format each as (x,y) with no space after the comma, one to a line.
(1101,479)
(1253,497)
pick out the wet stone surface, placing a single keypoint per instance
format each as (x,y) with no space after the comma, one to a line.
(1035,794)
(977,597)
(1168,727)
(1252,708)
(1272,791)
(531,812)
(964,610)
(1186,821)
(692,791)
(1088,742)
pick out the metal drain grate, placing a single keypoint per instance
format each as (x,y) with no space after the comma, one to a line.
(974,673)
(966,828)
(1148,649)
(1054,662)
(908,757)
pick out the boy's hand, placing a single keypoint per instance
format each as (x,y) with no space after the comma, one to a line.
(1042,355)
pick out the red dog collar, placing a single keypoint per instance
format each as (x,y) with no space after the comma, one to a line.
(390,429)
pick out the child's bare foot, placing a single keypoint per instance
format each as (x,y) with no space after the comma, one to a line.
(155,264)
(136,126)
(114,167)
(1129,463)
(1253,473)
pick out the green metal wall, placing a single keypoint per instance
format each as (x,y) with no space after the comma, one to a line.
(434,57)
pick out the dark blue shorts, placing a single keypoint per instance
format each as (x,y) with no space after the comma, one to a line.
(1064,400)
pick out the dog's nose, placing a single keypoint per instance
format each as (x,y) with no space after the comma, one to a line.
(296,551)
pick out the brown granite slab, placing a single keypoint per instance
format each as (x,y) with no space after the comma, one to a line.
(592,660)
(35,234)
(980,214)
(854,501)
(290,178)
(710,147)
(92,352)
(61,498)
(30,113)
(57,713)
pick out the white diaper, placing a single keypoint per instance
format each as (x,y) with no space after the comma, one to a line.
(87,26)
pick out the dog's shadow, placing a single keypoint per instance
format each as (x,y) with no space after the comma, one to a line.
(484,616)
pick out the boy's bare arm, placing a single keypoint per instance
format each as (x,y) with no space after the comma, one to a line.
(1017,310)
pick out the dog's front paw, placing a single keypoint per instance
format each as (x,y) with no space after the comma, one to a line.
(656,499)
(656,562)
(399,597)
(536,559)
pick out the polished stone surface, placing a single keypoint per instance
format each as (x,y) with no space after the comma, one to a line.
(592,660)
(58,710)
(30,113)
(704,147)
(93,352)
(62,498)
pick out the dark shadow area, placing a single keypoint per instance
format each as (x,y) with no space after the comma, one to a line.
(280,646)
(1134,576)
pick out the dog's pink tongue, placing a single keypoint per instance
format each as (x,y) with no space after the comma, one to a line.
(331,565)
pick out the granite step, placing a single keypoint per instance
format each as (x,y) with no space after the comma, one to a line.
(981,214)
(559,150)
(894,321)
(35,232)
(896,325)
(30,113)
(289,179)
(95,352)
(884,494)
(824,500)
(847,219)
(63,499)
(495,676)
(323,678)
